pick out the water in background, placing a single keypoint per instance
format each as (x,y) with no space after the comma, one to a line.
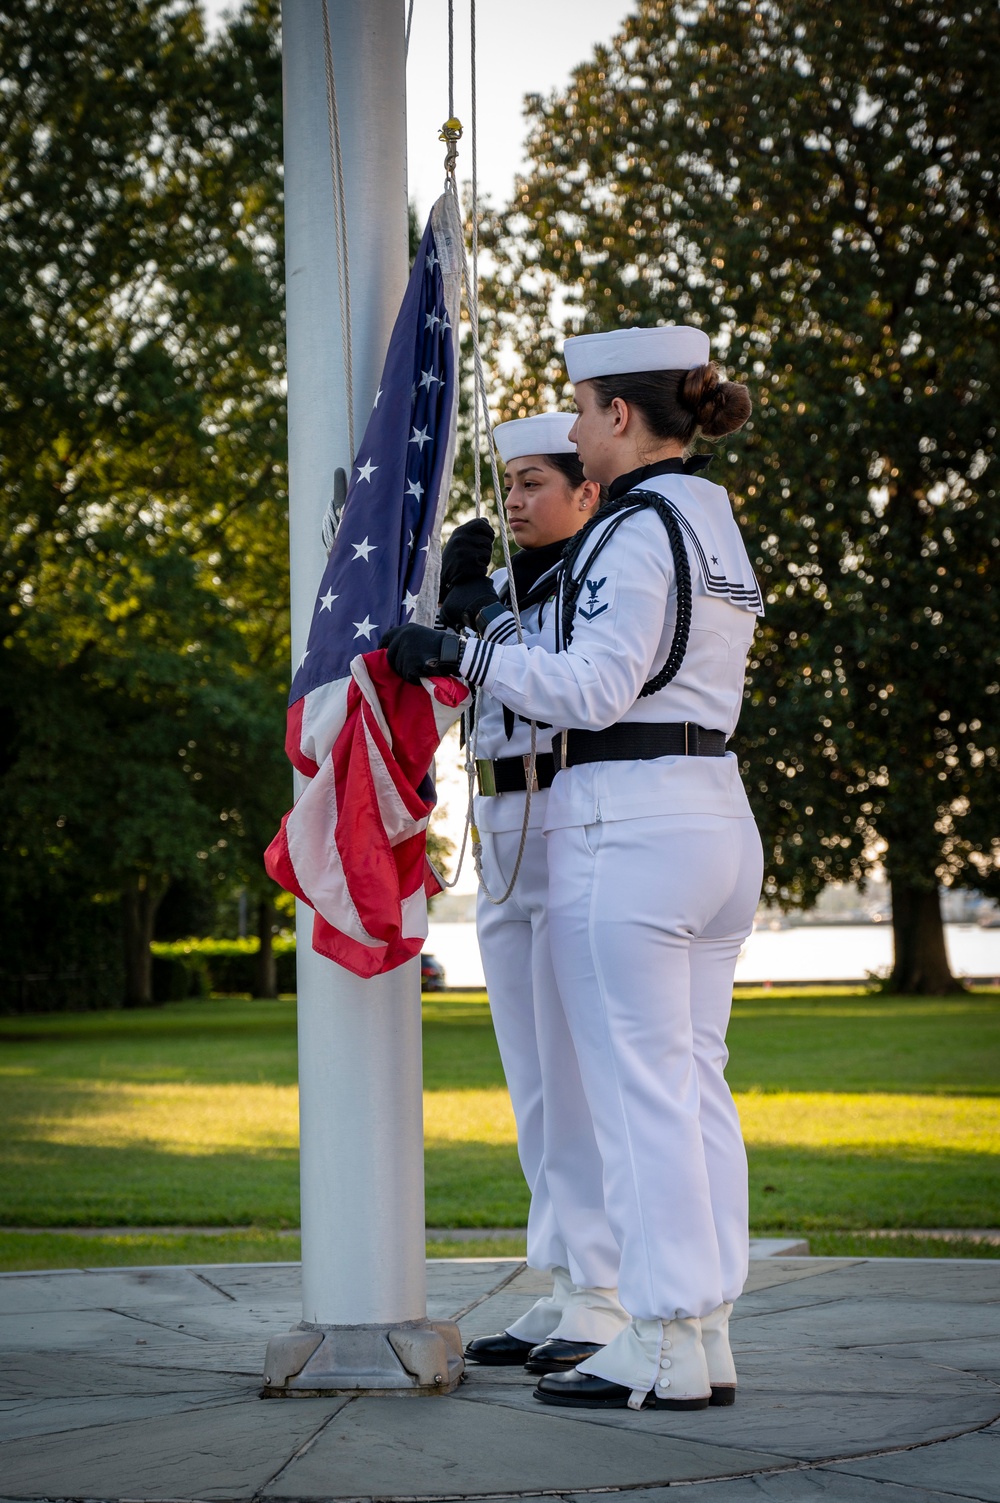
(808,952)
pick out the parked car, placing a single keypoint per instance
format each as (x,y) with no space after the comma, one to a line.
(431,974)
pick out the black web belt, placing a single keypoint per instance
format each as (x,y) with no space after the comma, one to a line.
(510,774)
(631,741)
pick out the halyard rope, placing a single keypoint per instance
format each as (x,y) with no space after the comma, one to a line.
(340,228)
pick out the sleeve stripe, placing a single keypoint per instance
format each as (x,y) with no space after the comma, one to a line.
(503,629)
(476,666)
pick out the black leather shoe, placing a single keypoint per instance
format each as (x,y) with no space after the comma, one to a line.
(557,1356)
(582,1391)
(498,1351)
(723,1394)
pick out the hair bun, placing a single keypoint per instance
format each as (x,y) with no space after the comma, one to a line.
(719,406)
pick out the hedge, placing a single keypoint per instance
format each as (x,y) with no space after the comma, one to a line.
(197,967)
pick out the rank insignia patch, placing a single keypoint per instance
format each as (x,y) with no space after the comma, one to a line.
(591,603)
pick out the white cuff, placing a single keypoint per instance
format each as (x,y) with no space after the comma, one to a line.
(475,662)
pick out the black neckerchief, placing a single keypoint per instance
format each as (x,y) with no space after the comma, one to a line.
(635,478)
(529,564)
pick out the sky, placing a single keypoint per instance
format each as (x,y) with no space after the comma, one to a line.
(523,47)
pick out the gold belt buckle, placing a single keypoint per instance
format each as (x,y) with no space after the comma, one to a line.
(532,771)
(485,778)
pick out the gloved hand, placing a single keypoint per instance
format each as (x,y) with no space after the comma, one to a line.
(466,554)
(417,652)
(462,604)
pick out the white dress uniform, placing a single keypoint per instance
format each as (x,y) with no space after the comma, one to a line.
(568,1230)
(655,870)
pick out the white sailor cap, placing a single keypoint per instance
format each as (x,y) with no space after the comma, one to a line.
(543,433)
(672,347)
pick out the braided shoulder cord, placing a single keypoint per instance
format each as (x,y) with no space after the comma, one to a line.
(627,506)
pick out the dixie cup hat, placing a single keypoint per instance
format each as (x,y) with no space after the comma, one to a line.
(620,352)
(544,433)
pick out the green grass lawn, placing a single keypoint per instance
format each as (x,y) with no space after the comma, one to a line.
(859,1112)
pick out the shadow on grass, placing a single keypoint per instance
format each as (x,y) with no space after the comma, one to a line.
(477,1184)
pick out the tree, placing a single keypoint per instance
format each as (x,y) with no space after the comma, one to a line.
(142,585)
(818,189)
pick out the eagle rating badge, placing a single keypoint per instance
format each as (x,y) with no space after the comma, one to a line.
(599,594)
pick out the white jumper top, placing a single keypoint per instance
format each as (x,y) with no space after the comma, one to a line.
(622,631)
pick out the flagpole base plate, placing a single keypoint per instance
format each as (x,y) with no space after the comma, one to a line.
(410,1357)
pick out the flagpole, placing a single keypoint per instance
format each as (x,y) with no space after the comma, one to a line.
(364,1303)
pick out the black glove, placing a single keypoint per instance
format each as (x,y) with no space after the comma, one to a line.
(417,652)
(462,604)
(466,554)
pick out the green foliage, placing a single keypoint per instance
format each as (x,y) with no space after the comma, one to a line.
(818,190)
(227,967)
(144,636)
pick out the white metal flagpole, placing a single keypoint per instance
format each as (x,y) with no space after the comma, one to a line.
(364,1306)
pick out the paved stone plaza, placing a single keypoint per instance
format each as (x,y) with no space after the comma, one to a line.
(860,1380)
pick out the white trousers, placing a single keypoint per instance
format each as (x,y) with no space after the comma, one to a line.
(646,920)
(567,1224)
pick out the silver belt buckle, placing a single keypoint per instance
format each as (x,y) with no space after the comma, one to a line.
(563,747)
(530,771)
(485,777)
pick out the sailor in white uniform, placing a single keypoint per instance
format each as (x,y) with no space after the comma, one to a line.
(654,859)
(547,501)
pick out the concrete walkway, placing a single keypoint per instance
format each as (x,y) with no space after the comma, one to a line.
(868,1380)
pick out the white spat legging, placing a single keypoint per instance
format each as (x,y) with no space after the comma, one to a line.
(646,920)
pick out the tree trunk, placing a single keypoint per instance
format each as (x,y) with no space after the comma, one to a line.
(920,963)
(139,904)
(266,982)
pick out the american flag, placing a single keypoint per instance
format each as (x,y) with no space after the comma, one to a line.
(353,846)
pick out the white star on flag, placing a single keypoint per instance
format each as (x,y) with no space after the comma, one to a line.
(414,488)
(377,395)
(366,470)
(365,627)
(303,657)
(362,550)
(420,437)
(431,320)
(409,601)
(326,601)
(431,261)
(428,379)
